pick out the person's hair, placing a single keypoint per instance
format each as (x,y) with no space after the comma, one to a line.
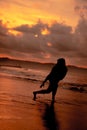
(61,61)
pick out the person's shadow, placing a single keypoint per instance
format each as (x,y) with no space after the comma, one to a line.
(48,116)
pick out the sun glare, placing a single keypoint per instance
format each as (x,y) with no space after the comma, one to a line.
(36,35)
(14,32)
(49,44)
(47,56)
(45,31)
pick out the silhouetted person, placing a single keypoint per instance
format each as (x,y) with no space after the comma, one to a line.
(57,73)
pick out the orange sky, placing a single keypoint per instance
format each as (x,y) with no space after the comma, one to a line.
(17,12)
(42,18)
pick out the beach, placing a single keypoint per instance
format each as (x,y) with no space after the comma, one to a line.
(18,110)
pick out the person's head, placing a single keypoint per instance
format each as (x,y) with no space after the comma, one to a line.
(61,61)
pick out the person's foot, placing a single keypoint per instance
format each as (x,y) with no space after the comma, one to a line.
(34,98)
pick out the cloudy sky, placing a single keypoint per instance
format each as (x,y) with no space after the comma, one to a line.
(44,30)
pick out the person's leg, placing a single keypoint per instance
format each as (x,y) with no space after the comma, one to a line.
(54,92)
(44,91)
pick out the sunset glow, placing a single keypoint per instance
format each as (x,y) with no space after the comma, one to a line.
(45,31)
(19,12)
(52,27)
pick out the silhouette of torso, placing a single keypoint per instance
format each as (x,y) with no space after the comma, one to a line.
(57,73)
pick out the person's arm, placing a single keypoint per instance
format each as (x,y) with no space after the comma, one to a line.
(48,76)
(44,81)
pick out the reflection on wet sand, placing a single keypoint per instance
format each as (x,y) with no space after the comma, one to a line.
(48,115)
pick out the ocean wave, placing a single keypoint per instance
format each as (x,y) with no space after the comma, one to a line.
(21,73)
(75,87)
(21,78)
(70,81)
(76,84)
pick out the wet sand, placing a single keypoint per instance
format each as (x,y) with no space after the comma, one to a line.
(19,112)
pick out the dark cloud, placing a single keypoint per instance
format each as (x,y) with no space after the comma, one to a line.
(59,42)
(61,37)
(81,1)
(77,8)
(35,29)
(81,8)
(81,34)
